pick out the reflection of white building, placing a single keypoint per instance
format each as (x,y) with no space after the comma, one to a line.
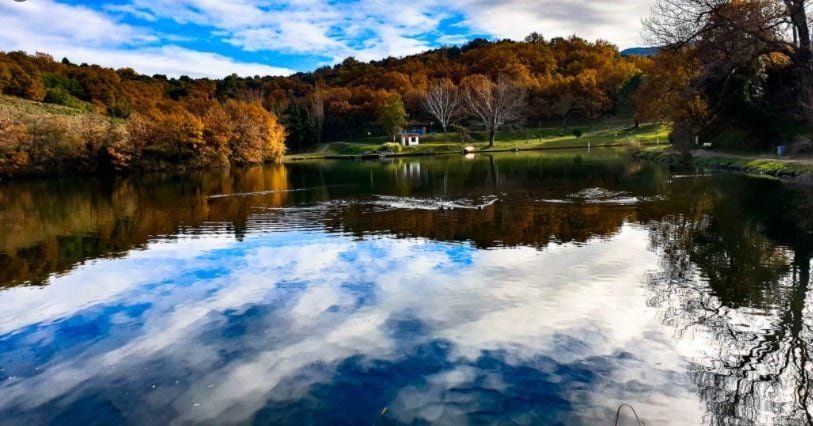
(410,139)
(410,171)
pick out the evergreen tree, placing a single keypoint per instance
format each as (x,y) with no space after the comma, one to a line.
(303,131)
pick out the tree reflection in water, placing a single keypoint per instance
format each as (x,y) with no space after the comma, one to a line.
(734,283)
(733,279)
(51,226)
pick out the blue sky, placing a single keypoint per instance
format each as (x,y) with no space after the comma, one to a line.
(218,37)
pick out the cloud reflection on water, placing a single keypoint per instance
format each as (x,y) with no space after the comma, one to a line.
(289,326)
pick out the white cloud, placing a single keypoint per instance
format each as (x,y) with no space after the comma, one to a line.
(173,61)
(366,29)
(372,29)
(46,22)
(85,35)
(618,22)
(130,10)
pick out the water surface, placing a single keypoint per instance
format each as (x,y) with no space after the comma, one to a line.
(504,289)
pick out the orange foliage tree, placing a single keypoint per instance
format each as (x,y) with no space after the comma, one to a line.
(257,135)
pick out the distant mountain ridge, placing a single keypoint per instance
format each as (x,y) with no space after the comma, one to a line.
(640,51)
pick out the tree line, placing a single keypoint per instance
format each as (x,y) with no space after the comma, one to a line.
(134,121)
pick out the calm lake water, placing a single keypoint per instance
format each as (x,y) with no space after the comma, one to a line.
(508,289)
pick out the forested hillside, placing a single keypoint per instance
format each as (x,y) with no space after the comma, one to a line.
(149,122)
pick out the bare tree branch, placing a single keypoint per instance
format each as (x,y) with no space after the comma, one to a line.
(493,103)
(442,100)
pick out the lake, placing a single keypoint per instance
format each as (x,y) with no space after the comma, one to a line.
(517,288)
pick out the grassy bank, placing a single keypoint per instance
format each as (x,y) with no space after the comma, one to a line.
(596,136)
(661,154)
(791,169)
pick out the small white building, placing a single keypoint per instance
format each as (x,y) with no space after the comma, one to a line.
(410,139)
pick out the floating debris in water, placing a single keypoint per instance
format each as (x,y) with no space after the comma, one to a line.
(602,196)
(249,194)
(411,203)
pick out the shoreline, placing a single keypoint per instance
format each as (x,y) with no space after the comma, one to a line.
(787,169)
(372,155)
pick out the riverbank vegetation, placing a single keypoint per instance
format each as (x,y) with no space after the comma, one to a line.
(63,118)
(122,120)
(43,139)
(797,169)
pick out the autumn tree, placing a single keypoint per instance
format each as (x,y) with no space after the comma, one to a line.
(218,131)
(442,100)
(391,115)
(142,133)
(493,103)
(14,141)
(729,35)
(5,75)
(257,136)
(23,81)
(668,94)
(181,132)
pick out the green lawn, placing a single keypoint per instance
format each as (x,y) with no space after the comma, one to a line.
(768,166)
(599,135)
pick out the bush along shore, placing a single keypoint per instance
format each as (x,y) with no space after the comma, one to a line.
(789,169)
(38,139)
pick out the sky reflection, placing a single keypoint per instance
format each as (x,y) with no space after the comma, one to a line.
(316,327)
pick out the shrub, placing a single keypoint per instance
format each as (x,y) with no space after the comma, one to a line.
(391,146)
(60,96)
(462,132)
(14,141)
(577,133)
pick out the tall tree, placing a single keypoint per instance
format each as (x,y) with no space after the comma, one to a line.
(493,103)
(668,94)
(442,100)
(301,126)
(257,135)
(391,114)
(318,108)
(734,33)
